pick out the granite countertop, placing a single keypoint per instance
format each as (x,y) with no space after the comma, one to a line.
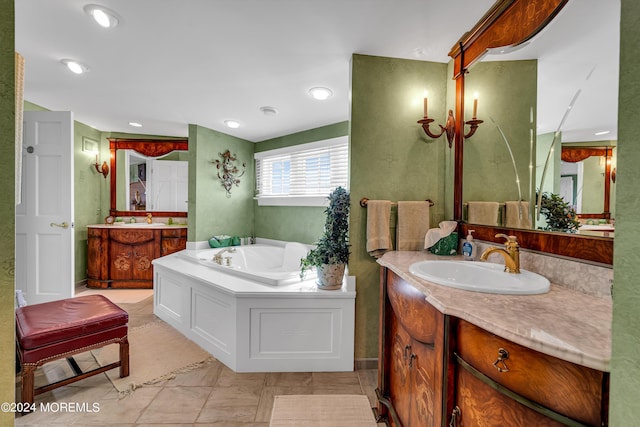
(563,323)
(125,226)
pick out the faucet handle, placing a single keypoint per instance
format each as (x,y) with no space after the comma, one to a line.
(511,240)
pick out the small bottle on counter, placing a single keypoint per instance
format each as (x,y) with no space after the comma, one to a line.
(469,248)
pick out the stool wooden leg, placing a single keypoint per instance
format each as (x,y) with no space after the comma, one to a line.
(28,374)
(124,358)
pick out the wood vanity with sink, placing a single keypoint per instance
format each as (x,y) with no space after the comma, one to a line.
(119,256)
(461,358)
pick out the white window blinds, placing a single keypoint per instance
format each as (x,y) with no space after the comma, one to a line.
(302,175)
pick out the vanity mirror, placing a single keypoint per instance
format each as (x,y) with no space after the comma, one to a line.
(507,25)
(129,155)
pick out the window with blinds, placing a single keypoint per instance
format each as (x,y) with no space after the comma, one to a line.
(302,175)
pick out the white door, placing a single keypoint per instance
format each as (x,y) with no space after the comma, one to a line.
(44,219)
(168,182)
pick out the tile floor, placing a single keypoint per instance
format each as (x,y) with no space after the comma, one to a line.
(212,395)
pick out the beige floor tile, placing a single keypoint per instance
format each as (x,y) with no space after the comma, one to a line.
(336,383)
(176,405)
(289,378)
(205,376)
(232,403)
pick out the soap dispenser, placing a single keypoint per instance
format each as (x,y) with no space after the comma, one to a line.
(469,251)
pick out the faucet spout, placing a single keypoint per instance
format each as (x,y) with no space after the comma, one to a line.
(218,256)
(510,253)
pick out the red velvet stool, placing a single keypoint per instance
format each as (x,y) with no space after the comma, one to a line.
(60,329)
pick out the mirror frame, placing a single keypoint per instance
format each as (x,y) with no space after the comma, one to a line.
(510,23)
(146,147)
(574,154)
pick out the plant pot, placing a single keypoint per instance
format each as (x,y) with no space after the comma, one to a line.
(330,276)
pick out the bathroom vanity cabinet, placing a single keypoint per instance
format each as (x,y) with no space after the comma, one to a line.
(120,256)
(437,369)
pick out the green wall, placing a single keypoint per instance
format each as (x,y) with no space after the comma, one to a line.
(211,212)
(392,159)
(294,223)
(7,207)
(625,367)
(507,91)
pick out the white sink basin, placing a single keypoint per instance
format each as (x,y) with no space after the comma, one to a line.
(139,224)
(480,277)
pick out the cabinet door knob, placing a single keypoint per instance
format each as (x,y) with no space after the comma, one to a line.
(500,363)
(455,414)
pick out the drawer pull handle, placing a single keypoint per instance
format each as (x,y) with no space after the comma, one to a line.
(407,348)
(413,356)
(500,363)
(455,414)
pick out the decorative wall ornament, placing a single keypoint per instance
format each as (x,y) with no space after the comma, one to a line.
(228,171)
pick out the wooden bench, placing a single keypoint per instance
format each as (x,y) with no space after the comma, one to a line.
(60,329)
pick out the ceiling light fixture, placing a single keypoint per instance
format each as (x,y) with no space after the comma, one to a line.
(75,66)
(604,132)
(269,111)
(135,124)
(320,93)
(105,17)
(232,124)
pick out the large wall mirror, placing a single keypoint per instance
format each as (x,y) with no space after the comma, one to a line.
(149,176)
(546,83)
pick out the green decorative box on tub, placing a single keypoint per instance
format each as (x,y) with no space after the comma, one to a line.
(224,241)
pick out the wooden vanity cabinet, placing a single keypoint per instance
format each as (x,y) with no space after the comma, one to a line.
(411,374)
(508,384)
(441,370)
(121,257)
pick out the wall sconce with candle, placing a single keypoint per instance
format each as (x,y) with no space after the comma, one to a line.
(104,169)
(90,146)
(450,126)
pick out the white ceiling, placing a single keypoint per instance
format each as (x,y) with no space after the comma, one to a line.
(173,62)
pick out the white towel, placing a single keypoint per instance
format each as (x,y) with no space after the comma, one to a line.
(517,215)
(435,234)
(413,223)
(485,213)
(378,235)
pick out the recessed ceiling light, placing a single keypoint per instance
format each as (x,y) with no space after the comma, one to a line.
(604,132)
(232,124)
(320,93)
(135,124)
(75,66)
(105,17)
(269,111)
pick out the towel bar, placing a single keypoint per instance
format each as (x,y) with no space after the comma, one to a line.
(364,201)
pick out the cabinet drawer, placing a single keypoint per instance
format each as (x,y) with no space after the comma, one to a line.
(575,391)
(178,232)
(417,316)
(131,236)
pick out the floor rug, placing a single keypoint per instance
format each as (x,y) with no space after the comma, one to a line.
(346,410)
(118,296)
(157,352)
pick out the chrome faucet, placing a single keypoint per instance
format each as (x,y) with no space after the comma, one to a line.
(510,253)
(218,257)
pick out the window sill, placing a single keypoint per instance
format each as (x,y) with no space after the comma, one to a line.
(293,201)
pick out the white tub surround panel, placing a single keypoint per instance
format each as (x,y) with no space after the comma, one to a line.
(253,327)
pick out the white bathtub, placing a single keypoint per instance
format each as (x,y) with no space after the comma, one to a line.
(271,265)
(238,315)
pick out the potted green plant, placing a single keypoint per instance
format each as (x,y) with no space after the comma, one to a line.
(559,214)
(331,253)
